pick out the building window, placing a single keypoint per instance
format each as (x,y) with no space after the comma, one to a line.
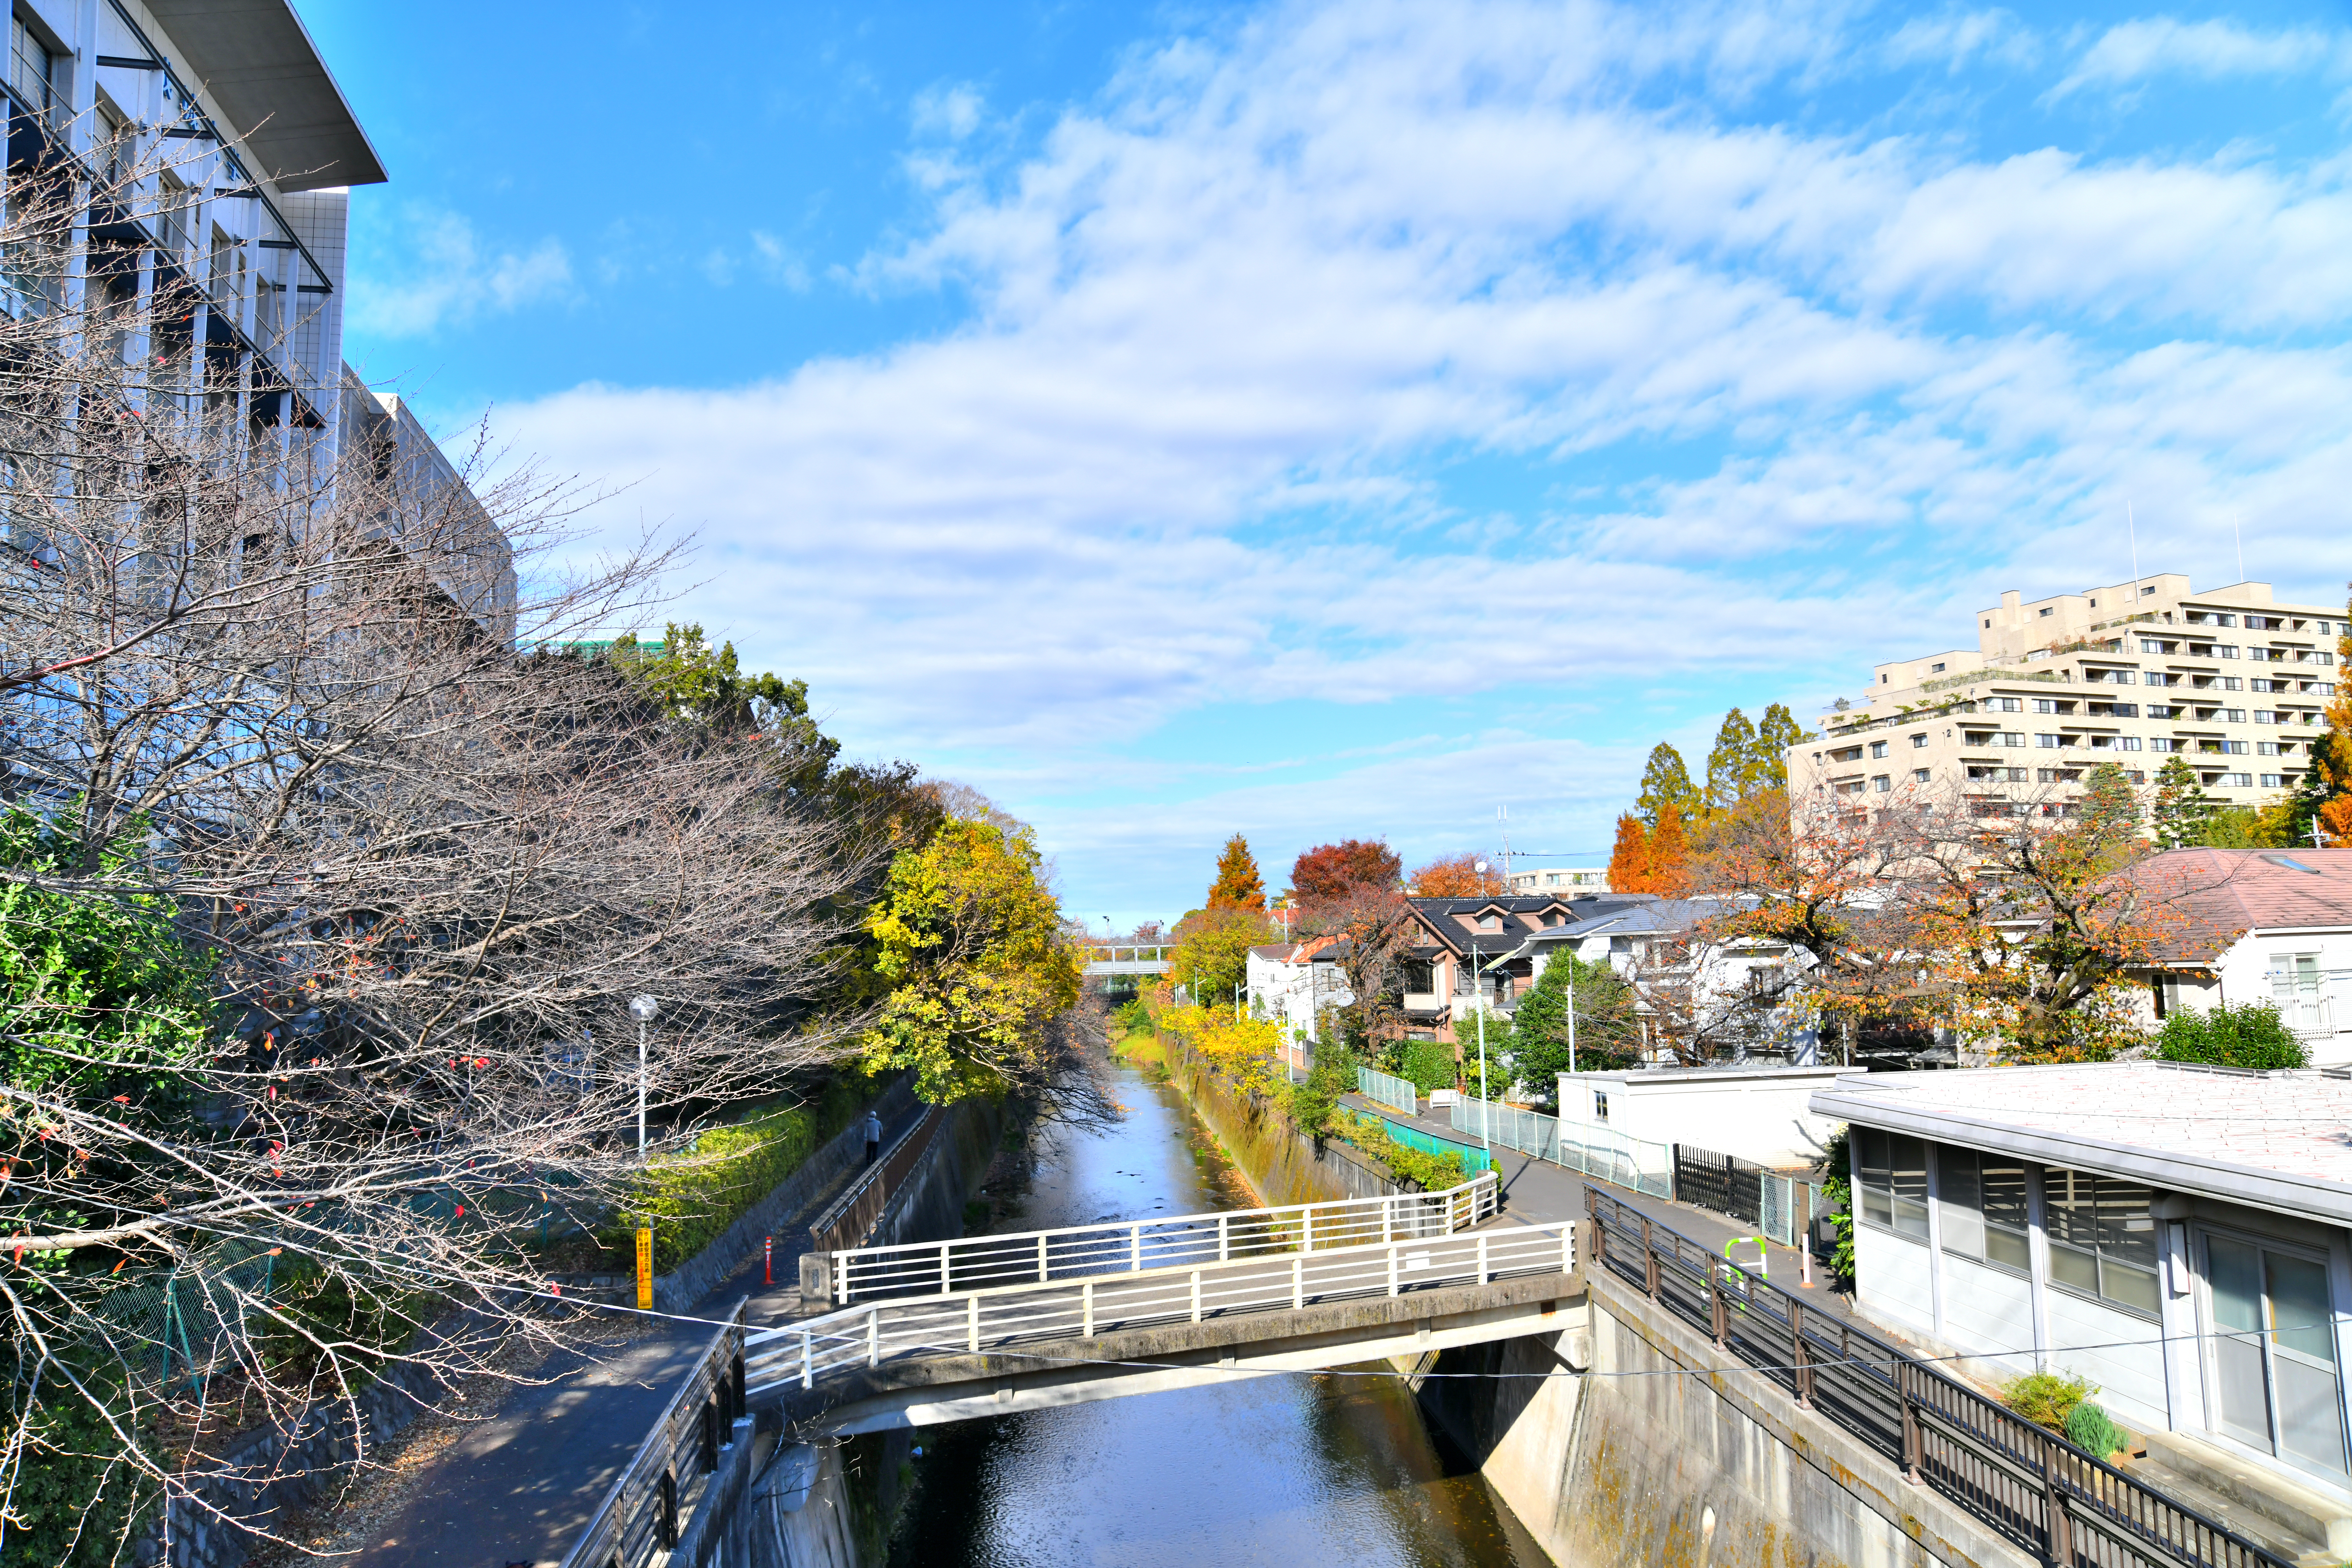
(2101,1238)
(1921,775)
(2236,781)
(2299,989)
(1891,1174)
(2047,741)
(1881,782)
(1935,670)
(1878,748)
(2234,748)
(2274,781)
(2043,705)
(1984,1199)
(1919,741)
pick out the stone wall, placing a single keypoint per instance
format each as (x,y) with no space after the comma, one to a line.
(1668,1453)
(1286,1164)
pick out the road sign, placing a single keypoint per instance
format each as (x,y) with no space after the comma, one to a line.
(645,1267)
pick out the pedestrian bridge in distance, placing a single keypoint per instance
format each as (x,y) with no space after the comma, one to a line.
(1120,958)
(938,1332)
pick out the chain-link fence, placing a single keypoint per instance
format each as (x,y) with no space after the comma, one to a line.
(185,1322)
(1584,1147)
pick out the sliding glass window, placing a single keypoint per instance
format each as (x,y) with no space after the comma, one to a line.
(1890,1180)
(2101,1238)
(1983,1200)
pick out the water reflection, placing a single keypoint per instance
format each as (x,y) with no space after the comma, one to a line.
(1261,1471)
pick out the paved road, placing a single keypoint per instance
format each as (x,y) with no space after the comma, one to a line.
(518,1487)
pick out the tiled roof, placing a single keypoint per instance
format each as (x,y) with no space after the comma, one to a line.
(2210,898)
(2281,1140)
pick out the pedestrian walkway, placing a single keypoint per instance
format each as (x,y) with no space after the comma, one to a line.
(521,1485)
(1537,1192)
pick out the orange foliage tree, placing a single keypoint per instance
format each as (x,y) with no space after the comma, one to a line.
(1238,885)
(2332,754)
(1455,877)
(1629,860)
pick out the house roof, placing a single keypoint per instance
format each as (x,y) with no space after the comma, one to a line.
(2276,1141)
(2210,898)
(1653,916)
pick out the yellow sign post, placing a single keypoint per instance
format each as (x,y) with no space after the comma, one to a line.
(645,1267)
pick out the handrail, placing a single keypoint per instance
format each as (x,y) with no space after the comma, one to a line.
(971,1322)
(643,1511)
(1040,1257)
(2029,1485)
(860,1206)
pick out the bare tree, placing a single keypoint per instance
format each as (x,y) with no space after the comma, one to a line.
(277,698)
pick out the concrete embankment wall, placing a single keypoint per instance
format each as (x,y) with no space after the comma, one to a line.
(1670,1454)
(1285,1164)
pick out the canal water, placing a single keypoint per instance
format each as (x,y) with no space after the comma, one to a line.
(1275,1470)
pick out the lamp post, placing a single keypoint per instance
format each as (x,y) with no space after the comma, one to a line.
(1478,1000)
(642,1009)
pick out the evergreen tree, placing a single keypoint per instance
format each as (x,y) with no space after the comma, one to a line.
(2110,803)
(1769,758)
(1731,766)
(1666,781)
(1238,885)
(1629,861)
(2183,811)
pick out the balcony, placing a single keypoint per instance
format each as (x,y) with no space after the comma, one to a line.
(1420,1002)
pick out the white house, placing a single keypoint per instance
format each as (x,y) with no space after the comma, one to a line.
(2176,1235)
(1292,983)
(2256,925)
(1763,1115)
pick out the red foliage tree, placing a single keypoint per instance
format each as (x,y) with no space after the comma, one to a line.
(1332,873)
(1455,877)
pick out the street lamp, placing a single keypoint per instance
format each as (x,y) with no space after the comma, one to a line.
(1478,1000)
(643,1008)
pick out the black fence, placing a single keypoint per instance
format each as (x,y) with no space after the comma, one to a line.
(2026,1483)
(1712,1181)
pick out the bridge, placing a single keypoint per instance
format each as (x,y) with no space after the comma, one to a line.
(947,1331)
(1121,958)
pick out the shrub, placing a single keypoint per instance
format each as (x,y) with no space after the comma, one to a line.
(1837,1189)
(692,1197)
(1434,1173)
(2047,1398)
(2092,1429)
(2250,1034)
(1132,1017)
(1430,1065)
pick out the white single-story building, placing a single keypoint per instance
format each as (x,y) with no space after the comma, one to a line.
(1763,1115)
(2255,925)
(2176,1235)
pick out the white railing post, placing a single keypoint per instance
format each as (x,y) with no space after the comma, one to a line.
(1388,1221)
(1307,1218)
(945,1288)
(872,1336)
(1135,1249)
(1297,1282)
(1086,1310)
(1221,1238)
(808,1360)
(972,1324)
(1482,1257)
(1392,1268)
(1041,1259)
(1196,1295)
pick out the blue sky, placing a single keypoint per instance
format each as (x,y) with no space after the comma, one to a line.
(1352,419)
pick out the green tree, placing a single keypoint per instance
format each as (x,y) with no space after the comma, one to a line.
(1606,1032)
(1211,957)
(2182,808)
(1768,761)
(2251,1035)
(971,943)
(689,680)
(1238,885)
(2110,805)
(1731,765)
(1666,781)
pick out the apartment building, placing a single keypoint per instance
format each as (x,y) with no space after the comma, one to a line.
(430,512)
(1558,881)
(224,154)
(2228,680)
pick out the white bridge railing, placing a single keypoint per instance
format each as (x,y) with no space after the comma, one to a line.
(915,1327)
(1133,1246)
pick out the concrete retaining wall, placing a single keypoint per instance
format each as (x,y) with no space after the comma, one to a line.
(1285,1164)
(929,1206)
(1670,1454)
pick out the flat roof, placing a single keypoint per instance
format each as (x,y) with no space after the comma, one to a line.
(257,61)
(1707,1075)
(2280,1141)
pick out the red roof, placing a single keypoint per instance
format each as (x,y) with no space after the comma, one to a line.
(2224,893)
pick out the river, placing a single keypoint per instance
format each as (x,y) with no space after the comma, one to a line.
(1332,1468)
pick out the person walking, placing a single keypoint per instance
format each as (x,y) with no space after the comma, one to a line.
(873,1137)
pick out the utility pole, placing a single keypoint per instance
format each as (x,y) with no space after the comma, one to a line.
(1478,1000)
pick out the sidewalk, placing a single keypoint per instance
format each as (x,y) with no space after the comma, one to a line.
(1537,1192)
(519,1486)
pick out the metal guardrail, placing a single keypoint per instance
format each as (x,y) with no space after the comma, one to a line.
(1396,1093)
(852,1216)
(638,1520)
(2028,1484)
(974,1323)
(1133,1246)
(1586,1147)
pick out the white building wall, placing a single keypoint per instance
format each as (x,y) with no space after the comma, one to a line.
(1989,1311)
(1759,1115)
(2116,1350)
(2246,972)
(1891,1278)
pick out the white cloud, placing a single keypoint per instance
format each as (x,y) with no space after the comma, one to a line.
(2135,50)
(1768,399)
(447,277)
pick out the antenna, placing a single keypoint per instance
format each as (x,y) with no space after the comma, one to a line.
(2238,533)
(1503,815)
(2133,524)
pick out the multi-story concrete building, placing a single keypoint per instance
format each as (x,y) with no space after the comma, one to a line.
(429,509)
(1558,881)
(2228,680)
